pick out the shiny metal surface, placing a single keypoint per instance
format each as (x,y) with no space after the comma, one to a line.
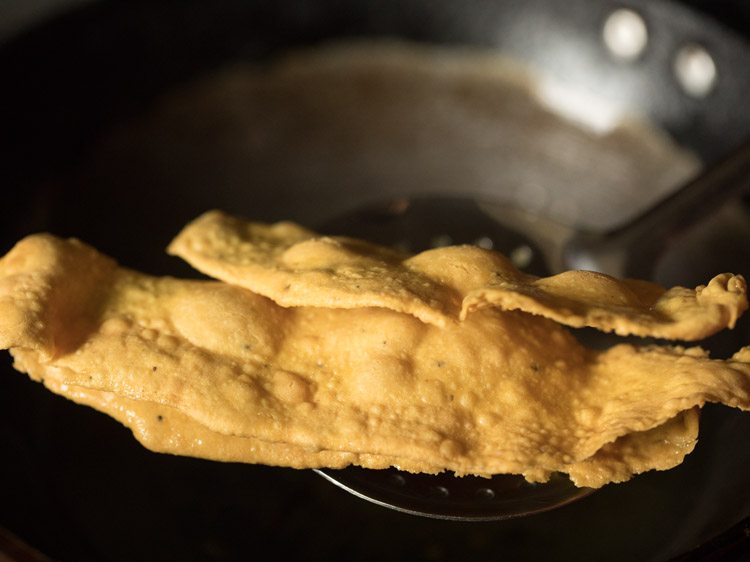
(633,249)
(468,499)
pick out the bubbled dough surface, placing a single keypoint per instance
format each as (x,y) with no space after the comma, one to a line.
(296,267)
(498,392)
(165,429)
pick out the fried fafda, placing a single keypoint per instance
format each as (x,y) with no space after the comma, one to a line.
(500,392)
(627,307)
(295,267)
(167,430)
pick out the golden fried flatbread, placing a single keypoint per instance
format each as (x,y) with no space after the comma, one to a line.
(627,307)
(500,392)
(40,308)
(661,448)
(295,267)
(165,429)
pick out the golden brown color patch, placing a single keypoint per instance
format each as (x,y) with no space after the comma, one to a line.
(296,267)
(240,377)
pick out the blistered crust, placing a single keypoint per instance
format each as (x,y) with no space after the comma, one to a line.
(625,307)
(39,307)
(296,267)
(500,392)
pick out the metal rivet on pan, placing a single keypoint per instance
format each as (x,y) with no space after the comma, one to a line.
(695,70)
(625,34)
(485,242)
(397,479)
(440,491)
(486,493)
(522,256)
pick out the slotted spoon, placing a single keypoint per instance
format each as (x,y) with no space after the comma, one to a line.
(628,250)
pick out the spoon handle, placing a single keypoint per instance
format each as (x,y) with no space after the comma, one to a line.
(631,250)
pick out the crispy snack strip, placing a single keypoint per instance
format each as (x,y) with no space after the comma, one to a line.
(296,267)
(627,307)
(39,306)
(165,429)
(501,392)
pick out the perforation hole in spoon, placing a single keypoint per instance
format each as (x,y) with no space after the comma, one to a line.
(467,498)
